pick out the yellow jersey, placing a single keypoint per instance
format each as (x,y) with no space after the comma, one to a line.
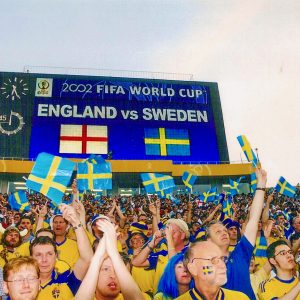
(68,252)
(223,294)
(22,250)
(61,286)
(144,278)
(275,288)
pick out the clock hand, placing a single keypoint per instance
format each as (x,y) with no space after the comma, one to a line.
(10,119)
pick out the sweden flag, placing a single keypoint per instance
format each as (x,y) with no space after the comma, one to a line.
(209,196)
(285,188)
(94,176)
(246,147)
(167,142)
(18,201)
(154,182)
(189,180)
(50,176)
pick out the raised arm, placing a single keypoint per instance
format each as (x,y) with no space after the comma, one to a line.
(189,214)
(129,288)
(141,260)
(153,211)
(88,286)
(42,212)
(265,214)
(212,214)
(121,216)
(256,207)
(83,244)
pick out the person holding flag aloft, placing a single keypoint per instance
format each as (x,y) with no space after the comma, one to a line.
(239,260)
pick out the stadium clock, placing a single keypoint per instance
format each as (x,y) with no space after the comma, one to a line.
(14,125)
(14,88)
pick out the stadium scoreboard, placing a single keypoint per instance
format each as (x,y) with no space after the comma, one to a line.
(123,118)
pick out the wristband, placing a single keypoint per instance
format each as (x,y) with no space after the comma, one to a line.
(151,249)
(76,227)
(261,189)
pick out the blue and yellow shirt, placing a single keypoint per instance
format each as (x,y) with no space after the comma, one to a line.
(275,288)
(61,286)
(223,294)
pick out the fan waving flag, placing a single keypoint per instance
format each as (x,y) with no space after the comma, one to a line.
(94,176)
(154,182)
(253,182)
(209,196)
(246,147)
(18,201)
(285,188)
(189,180)
(50,176)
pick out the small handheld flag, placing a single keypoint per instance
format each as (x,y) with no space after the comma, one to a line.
(253,182)
(209,196)
(189,180)
(18,201)
(167,193)
(50,176)
(227,206)
(246,147)
(94,176)
(234,186)
(285,188)
(154,182)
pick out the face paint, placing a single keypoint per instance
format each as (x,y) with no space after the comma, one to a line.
(207,270)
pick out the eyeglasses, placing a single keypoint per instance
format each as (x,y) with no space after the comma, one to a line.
(22,280)
(284,253)
(214,260)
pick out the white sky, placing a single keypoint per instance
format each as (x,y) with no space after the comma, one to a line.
(250,48)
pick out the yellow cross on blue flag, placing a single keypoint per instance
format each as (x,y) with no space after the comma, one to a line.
(94,176)
(234,186)
(285,188)
(253,182)
(154,182)
(189,180)
(18,201)
(227,206)
(50,176)
(166,142)
(246,147)
(209,196)
(167,193)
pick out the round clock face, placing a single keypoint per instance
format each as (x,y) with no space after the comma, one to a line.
(14,88)
(13,125)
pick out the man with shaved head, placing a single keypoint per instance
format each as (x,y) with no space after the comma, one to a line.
(207,266)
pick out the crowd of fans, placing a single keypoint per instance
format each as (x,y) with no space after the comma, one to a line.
(142,247)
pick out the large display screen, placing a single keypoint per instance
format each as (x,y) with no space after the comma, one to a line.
(119,118)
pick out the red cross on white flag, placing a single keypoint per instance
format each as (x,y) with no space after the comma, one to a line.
(86,139)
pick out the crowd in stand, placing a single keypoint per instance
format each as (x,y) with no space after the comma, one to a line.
(142,247)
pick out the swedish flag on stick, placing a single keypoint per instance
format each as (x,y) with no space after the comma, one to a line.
(285,188)
(246,147)
(18,201)
(154,182)
(189,180)
(94,176)
(50,176)
(209,196)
